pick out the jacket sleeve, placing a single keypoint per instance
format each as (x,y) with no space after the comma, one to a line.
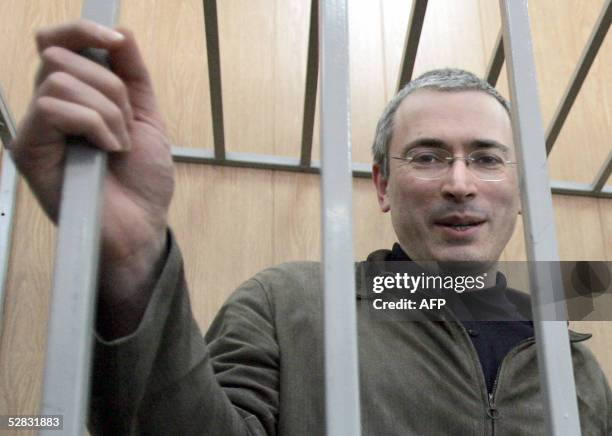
(165,378)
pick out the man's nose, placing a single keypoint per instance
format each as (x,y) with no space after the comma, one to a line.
(459,183)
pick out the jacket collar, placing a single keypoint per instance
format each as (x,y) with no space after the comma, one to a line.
(520,299)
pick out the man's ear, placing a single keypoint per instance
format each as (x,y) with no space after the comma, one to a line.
(381,188)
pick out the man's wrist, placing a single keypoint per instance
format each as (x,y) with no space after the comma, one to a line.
(126,288)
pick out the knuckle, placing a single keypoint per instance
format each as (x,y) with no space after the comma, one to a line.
(115,115)
(51,55)
(82,25)
(94,120)
(43,105)
(55,83)
(118,88)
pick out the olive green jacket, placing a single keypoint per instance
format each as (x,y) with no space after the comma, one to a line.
(259,370)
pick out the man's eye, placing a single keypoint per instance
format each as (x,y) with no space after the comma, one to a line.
(488,160)
(426,158)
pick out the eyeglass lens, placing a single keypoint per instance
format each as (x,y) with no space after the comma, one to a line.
(489,164)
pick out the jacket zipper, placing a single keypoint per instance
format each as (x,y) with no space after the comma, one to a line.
(492,411)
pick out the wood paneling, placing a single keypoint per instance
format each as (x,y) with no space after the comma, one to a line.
(560,33)
(24,323)
(232,222)
(297,217)
(171,37)
(222,219)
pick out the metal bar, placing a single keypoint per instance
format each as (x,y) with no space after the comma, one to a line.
(411,45)
(8,190)
(497,60)
(312,76)
(603,175)
(214,76)
(340,319)
(69,341)
(553,346)
(579,189)
(258,161)
(359,169)
(582,68)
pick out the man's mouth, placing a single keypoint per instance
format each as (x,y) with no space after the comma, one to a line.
(459,223)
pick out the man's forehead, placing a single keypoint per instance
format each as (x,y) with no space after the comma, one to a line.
(426,99)
(432,113)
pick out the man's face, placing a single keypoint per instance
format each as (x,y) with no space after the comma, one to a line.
(457,216)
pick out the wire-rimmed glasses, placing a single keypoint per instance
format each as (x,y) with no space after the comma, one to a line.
(429,164)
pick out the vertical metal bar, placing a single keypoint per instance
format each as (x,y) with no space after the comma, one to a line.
(341,365)
(497,60)
(214,76)
(69,341)
(310,94)
(582,69)
(603,175)
(411,45)
(553,346)
(8,189)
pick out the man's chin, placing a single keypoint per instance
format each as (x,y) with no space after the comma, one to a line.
(466,257)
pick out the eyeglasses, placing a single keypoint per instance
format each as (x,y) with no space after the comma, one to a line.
(490,164)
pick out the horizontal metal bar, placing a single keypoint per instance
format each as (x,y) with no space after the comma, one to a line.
(579,189)
(604,174)
(582,68)
(310,93)
(497,60)
(359,169)
(411,45)
(214,76)
(8,191)
(259,161)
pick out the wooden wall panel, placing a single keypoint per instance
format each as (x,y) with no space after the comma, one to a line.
(366,74)
(171,37)
(605,213)
(24,321)
(561,34)
(559,37)
(372,228)
(246,37)
(222,218)
(297,217)
(574,216)
(602,331)
(291,21)
(231,222)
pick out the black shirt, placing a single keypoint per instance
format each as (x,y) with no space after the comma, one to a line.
(492,339)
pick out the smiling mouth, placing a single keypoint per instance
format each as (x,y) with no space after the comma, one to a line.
(459,224)
(461,227)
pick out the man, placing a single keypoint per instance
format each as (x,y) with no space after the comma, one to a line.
(445,170)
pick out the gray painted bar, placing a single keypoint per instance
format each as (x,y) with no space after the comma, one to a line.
(552,338)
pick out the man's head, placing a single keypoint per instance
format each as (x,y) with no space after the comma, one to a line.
(457,214)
